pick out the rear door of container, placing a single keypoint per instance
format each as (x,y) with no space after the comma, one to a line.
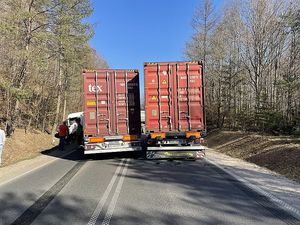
(111,102)
(174,96)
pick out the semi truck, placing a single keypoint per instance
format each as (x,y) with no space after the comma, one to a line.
(74,116)
(112,121)
(175,109)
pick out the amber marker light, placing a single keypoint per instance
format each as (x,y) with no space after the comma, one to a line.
(130,138)
(96,139)
(195,134)
(155,135)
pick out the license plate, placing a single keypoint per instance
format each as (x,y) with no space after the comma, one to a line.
(178,154)
(114,143)
(171,142)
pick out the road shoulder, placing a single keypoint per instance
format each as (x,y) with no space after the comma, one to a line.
(279,189)
(11,172)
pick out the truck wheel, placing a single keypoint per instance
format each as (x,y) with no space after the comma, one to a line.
(150,154)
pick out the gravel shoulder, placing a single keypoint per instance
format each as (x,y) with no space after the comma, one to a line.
(232,150)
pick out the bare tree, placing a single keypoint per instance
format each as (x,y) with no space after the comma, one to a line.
(43,49)
(203,23)
(252,65)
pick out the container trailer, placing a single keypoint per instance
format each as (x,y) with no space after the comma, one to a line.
(112,121)
(175,109)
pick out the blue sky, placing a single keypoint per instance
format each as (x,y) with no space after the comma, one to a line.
(131,32)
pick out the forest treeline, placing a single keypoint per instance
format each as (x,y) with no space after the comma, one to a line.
(251,53)
(43,49)
(250,50)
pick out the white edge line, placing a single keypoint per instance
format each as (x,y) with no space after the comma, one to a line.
(115,197)
(99,207)
(292,210)
(35,168)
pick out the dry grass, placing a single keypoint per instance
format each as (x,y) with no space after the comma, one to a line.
(23,146)
(280,154)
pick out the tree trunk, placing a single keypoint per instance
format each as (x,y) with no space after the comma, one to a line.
(58,97)
(65,105)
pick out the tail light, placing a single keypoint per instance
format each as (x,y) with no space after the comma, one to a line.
(195,134)
(156,135)
(130,138)
(96,139)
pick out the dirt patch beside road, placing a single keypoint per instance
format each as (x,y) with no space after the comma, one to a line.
(23,146)
(279,154)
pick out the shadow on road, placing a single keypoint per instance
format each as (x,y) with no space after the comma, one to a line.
(208,196)
(12,204)
(75,153)
(206,188)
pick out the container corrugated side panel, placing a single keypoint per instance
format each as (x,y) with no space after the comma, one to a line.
(113,95)
(174,98)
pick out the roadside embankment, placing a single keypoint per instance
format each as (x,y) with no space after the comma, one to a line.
(22,146)
(280,154)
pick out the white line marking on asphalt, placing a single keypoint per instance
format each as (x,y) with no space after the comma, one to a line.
(38,167)
(115,197)
(295,212)
(100,205)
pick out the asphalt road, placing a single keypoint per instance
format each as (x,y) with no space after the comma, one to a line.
(118,189)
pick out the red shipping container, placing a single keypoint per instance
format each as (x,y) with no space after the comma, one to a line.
(111,102)
(174,96)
